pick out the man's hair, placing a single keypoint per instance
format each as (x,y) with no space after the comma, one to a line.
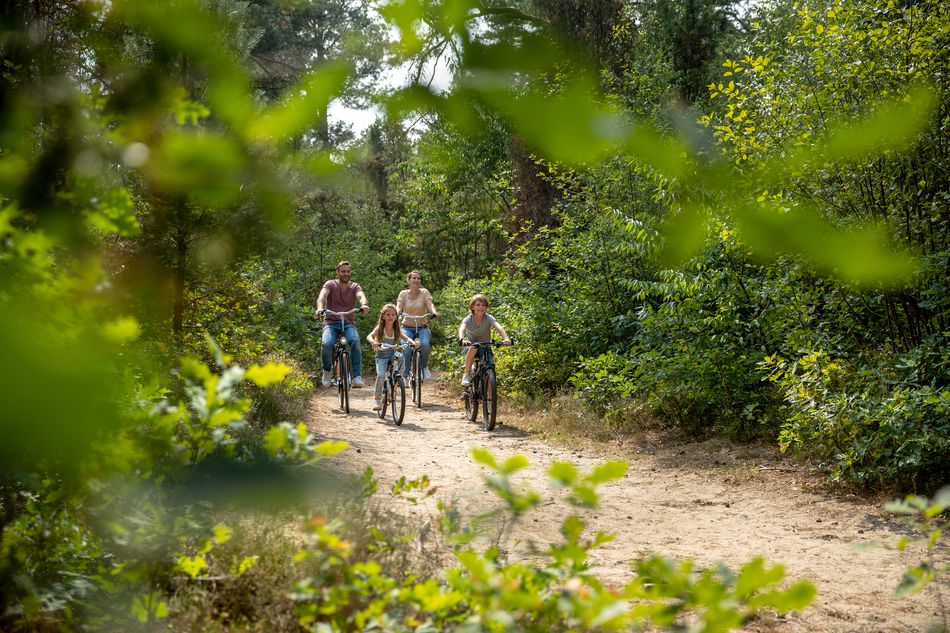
(343,263)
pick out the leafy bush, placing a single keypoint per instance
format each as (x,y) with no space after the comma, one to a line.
(283,401)
(348,590)
(884,422)
(604,380)
(928,522)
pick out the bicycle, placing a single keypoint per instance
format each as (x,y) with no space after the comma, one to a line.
(394,387)
(415,362)
(483,386)
(341,359)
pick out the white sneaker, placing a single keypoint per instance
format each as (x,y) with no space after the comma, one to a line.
(377,405)
(357,381)
(426,374)
(466,380)
(327,379)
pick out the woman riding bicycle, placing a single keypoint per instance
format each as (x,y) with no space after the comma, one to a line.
(415,303)
(386,332)
(476,328)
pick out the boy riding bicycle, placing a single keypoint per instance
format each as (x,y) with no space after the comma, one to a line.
(476,328)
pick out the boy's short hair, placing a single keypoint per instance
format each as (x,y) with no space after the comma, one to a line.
(343,263)
(477,298)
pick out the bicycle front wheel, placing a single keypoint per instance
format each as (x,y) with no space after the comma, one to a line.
(398,404)
(489,399)
(343,380)
(384,400)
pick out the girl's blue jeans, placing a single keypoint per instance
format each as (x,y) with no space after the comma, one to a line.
(382,364)
(424,334)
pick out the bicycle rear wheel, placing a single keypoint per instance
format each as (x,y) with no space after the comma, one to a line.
(416,378)
(398,404)
(471,399)
(489,399)
(343,380)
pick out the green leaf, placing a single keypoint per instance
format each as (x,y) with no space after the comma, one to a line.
(149,607)
(276,440)
(405,15)
(206,167)
(683,234)
(796,597)
(222,533)
(482,456)
(267,374)
(572,528)
(564,473)
(571,127)
(892,125)
(608,471)
(245,564)
(941,500)
(122,330)
(193,566)
(305,102)
(754,576)
(329,449)
(861,255)
(514,464)
(915,579)
(114,212)
(584,496)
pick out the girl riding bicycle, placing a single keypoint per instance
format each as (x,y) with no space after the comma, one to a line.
(385,332)
(476,328)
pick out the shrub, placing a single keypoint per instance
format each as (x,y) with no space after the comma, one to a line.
(882,422)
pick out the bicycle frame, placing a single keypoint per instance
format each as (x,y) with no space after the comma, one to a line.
(394,387)
(483,386)
(341,357)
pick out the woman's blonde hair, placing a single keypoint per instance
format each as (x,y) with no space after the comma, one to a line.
(476,299)
(380,326)
(411,273)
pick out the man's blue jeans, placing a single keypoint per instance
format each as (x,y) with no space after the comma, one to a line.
(424,334)
(331,331)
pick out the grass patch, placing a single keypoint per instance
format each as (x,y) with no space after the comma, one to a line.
(260,598)
(567,416)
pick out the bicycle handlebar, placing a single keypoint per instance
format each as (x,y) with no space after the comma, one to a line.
(487,343)
(342,315)
(403,316)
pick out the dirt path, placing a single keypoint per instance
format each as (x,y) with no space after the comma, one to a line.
(712,502)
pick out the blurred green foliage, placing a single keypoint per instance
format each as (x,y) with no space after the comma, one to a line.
(172,186)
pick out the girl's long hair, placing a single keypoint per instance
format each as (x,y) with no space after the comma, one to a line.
(381,326)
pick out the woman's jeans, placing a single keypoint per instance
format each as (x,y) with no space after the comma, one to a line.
(383,359)
(424,334)
(331,331)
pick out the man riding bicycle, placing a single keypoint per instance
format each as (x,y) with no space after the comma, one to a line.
(341,295)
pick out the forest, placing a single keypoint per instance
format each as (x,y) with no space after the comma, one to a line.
(717,218)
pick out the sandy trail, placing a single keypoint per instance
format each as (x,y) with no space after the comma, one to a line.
(711,501)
